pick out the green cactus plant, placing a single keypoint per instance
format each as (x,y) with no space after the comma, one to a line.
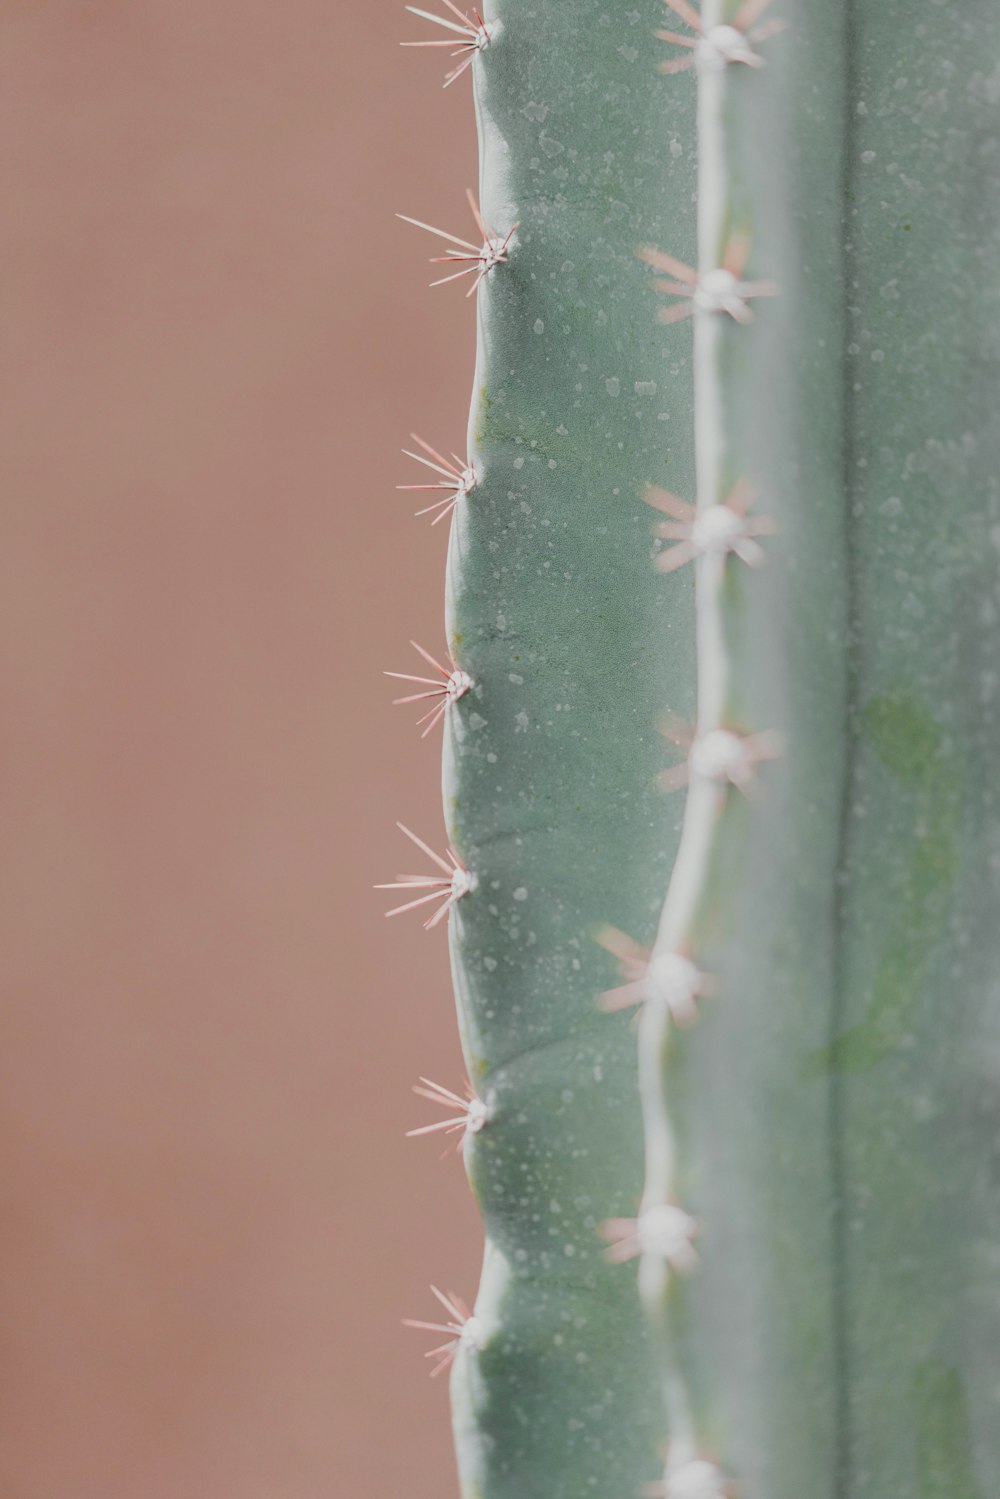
(802,1150)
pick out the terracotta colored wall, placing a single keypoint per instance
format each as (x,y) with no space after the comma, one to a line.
(214,339)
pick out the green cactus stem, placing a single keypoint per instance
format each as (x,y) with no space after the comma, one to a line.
(797,394)
(551,759)
(842,1240)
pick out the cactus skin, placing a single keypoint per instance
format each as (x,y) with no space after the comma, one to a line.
(550,764)
(734,1132)
(840,1335)
(831,1118)
(915,1058)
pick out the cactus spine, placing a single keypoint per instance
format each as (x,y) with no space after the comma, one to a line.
(816,1223)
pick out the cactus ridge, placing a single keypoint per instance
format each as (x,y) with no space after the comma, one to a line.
(564,1330)
(723,753)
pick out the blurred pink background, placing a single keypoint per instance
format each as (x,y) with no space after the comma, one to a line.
(215,339)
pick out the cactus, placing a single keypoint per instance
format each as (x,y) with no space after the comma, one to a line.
(748,308)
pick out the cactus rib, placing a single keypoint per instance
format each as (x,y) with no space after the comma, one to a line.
(718,1435)
(549,782)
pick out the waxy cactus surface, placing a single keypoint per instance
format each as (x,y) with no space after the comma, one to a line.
(723,595)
